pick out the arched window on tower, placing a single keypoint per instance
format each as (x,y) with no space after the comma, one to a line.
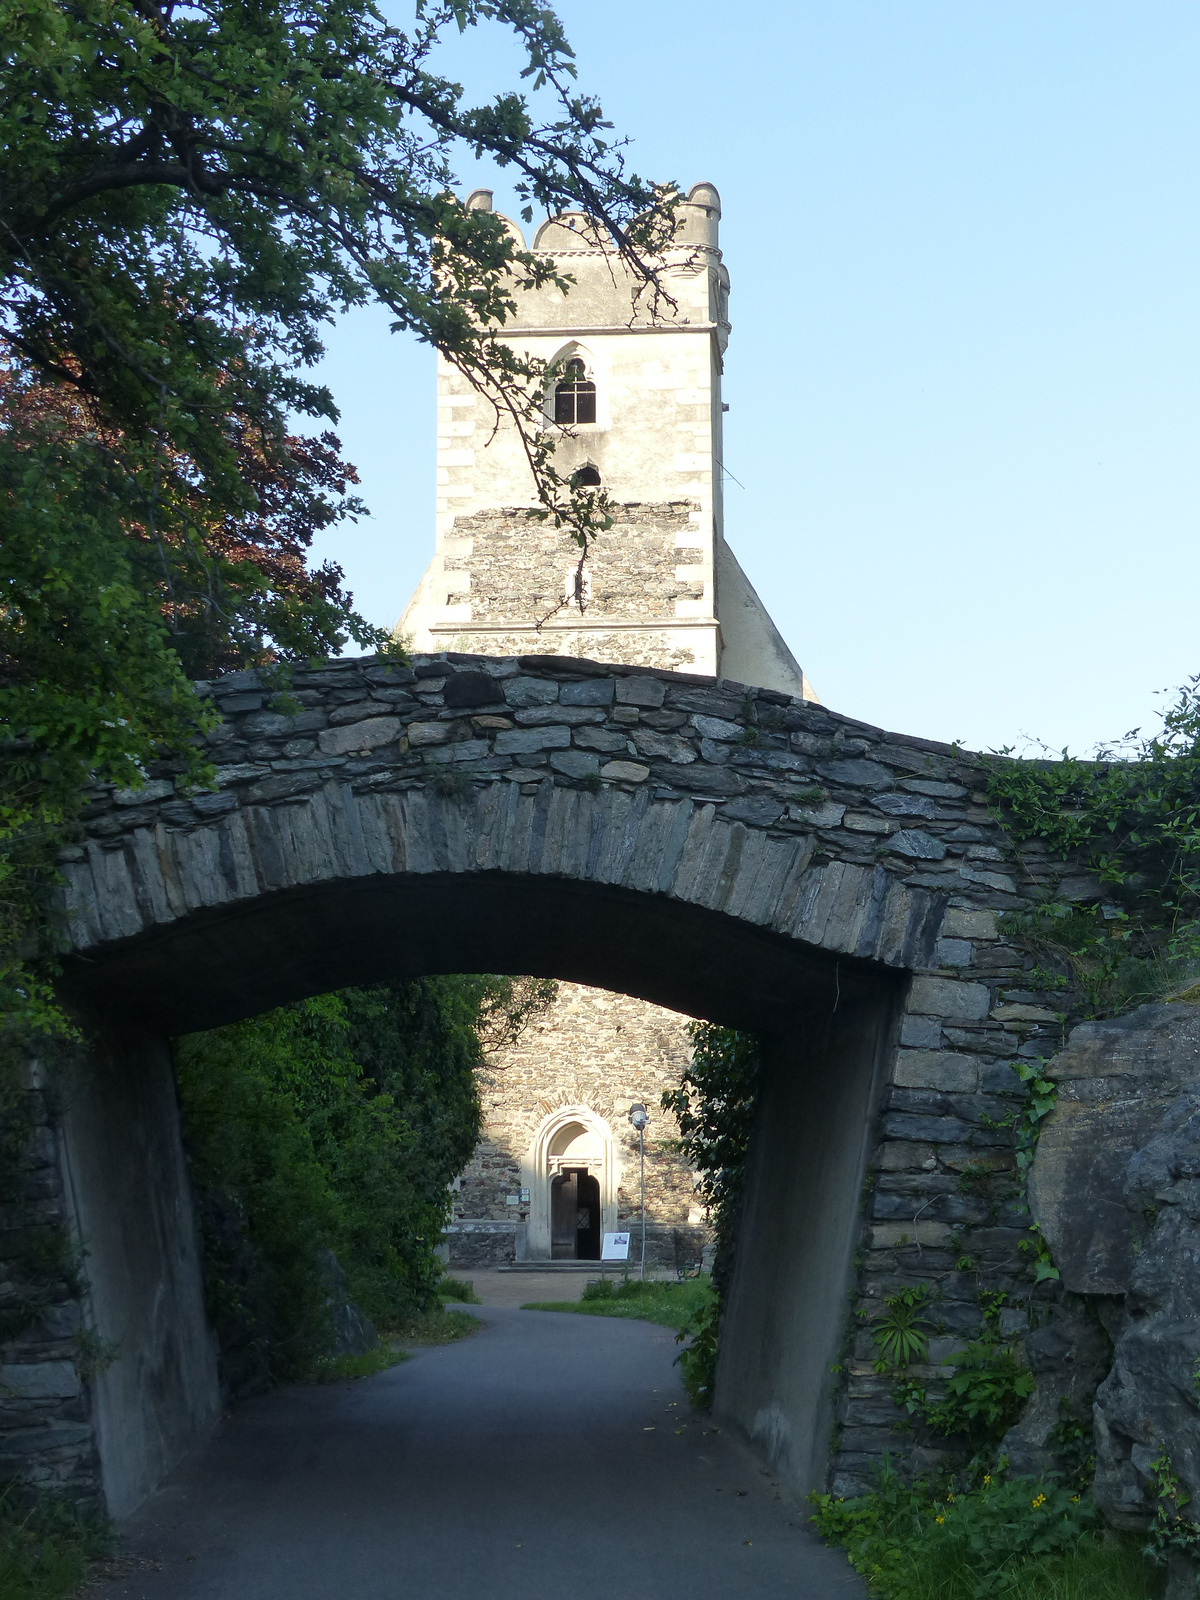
(586,478)
(574,395)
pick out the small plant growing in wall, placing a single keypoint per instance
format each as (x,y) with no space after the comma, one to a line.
(450,783)
(902,1336)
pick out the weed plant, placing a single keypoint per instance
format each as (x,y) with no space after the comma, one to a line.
(45,1548)
(1018,1539)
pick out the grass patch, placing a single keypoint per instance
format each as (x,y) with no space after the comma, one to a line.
(362,1364)
(673,1304)
(45,1550)
(437,1326)
(1020,1540)
(458,1289)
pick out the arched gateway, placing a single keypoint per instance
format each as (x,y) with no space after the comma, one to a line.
(729,852)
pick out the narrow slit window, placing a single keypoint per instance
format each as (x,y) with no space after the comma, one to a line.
(574,395)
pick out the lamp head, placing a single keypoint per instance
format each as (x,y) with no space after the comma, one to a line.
(638,1115)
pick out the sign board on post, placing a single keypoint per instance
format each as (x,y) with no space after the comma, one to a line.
(616,1247)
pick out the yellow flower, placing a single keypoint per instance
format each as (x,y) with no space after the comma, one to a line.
(939,1519)
(987,1478)
(1038,1500)
(1074,1499)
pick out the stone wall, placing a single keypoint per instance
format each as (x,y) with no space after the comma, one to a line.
(46,1433)
(513,566)
(714,848)
(595,1049)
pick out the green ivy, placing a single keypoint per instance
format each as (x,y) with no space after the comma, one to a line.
(714,1106)
(1131,818)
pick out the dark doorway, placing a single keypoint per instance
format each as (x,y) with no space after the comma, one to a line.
(575,1216)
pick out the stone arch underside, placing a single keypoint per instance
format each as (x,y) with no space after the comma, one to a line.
(660,899)
(720,850)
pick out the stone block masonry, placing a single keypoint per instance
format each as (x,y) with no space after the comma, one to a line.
(854,855)
(602,1051)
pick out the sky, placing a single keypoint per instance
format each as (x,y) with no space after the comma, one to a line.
(964,374)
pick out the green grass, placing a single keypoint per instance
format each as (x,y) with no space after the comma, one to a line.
(673,1304)
(363,1364)
(44,1552)
(436,1326)
(458,1289)
(1097,1570)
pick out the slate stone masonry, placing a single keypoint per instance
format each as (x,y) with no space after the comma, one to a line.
(771,809)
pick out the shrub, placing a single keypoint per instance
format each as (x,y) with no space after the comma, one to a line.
(1032,1540)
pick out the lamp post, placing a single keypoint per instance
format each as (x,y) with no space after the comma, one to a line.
(639,1116)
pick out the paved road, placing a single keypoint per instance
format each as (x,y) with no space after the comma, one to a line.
(547,1454)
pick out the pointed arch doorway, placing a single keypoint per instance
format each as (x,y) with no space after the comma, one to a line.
(573,1183)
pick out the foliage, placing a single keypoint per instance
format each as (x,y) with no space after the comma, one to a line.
(698,1358)
(330,1123)
(189,194)
(1039,1103)
(1019,1538)
(45,1546)
(457,1289)
(982,1397)
(1035,1246)
(902,1334)
(361,1364)
(714,1106)
(1132,818)
(1171,1530)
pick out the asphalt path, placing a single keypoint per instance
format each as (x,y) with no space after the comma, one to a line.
(547,1453)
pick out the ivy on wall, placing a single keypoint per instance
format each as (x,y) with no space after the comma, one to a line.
(714,1106)
(1131,818)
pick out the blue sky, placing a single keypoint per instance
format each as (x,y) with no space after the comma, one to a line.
(963,377)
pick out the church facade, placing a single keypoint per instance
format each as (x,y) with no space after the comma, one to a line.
(634,404)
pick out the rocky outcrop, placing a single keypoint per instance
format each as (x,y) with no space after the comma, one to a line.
(1068,1355)
(353,1333)
(1149,1405)
(1116,1080)
(1115,1188)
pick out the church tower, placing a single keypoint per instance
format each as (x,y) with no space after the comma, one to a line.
(636,406)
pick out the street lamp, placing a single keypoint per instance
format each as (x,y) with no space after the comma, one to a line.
(639,1116)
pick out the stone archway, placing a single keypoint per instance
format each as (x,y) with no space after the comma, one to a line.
(573,1135)
(727,852)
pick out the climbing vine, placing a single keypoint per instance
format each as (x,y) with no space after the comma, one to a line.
(1131,820)
(714,1106)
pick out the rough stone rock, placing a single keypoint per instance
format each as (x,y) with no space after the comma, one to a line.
(352,1332)
(1069,1356)
(1116,1080)
(1149,1405)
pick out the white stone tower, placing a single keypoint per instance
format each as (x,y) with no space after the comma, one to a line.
(637,407)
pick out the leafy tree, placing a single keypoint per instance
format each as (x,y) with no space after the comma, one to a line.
(188,195)
(334,1123)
